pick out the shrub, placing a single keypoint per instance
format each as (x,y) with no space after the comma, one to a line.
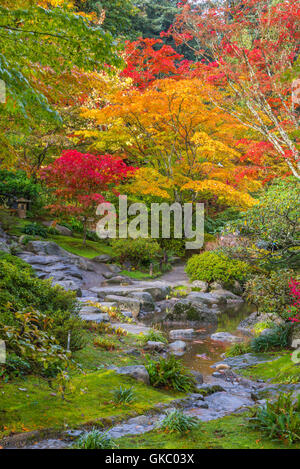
(238,349)
(15,366)
(123,395)
(139,251)
(279,419)
(214,266)
(154,336)
(16,184)
(270,294)
(94,440)
(277,338)
(20,288)
(177,421)
(35,229)
(30,340)
(171,374)
(106,344)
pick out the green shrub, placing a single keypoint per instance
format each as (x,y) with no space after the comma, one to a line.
(154,336)
(270,294)
(238,349)
(275,339)
(170,373)
(16,184)
(279,419)
(214,266)
(139,251)
(15,366)
(177,421)
(94,439)
(20,288)
(35,229)
(123,395)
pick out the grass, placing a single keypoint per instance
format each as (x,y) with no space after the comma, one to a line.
(138,275)
(230,432)
(74,245)
(282,370)
(30,404)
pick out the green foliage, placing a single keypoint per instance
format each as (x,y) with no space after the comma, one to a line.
(14,366)
(270,293)
(154,336)
(123,395)
(216,225)
(273,225)
(105,343)
(20,288)
(279,419)
(177,421)
(170,373)
(95,439)
(275,339)
(139,251)
(30,340)
(212,266)
(35,229)
(238,349)
(15,185)
(55,38)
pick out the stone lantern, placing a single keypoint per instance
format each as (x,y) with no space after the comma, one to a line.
(23,205)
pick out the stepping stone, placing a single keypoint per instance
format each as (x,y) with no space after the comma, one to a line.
(130,304)
(178,333)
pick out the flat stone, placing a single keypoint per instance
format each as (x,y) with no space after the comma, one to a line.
(226,403)
(103,259)
(226,296)
(130,304)
(203,286)
(188,310)
(155,346)
(135,329)
(226,337)
(177,333)
(207,299)
(247,359)
(99,317)
(145,299)
(114,268)
(118,280)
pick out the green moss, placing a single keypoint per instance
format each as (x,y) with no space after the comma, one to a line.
(74,245)
(30,404)
(230,432)
(282,370)
(138,275)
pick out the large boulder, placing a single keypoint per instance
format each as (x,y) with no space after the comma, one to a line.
(226,296)
(62,230)
(187,310)
(246,325)
(137,372)
(226,337)
(146,300)
(206,299)
(126,303)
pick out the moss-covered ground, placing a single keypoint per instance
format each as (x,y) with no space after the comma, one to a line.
(282,370)
(231,432)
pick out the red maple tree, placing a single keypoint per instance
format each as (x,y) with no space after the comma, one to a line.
(81,180)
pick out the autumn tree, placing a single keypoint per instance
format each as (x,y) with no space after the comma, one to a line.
(80,182)
(182,145)
(248,51)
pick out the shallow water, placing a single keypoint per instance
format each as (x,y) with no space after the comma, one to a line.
(202,352)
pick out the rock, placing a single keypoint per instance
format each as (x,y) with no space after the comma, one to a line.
(226,403)
(155,346)
(216,286)
(177,333)
(294,336)
(197,376)
(118,280)
(49,248)
(146,300)
(69,285)
(159,290)
(246,326)
(245,360)
(131,304)
(89,310)
(225,337)
(63,230)
(177,346)
(99,317)
(103,259)
(222,366)
(207,299)
(137,372)
(203,286)
(108,274)
(114,268)
(186,310)
(4,247)
(225,296)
